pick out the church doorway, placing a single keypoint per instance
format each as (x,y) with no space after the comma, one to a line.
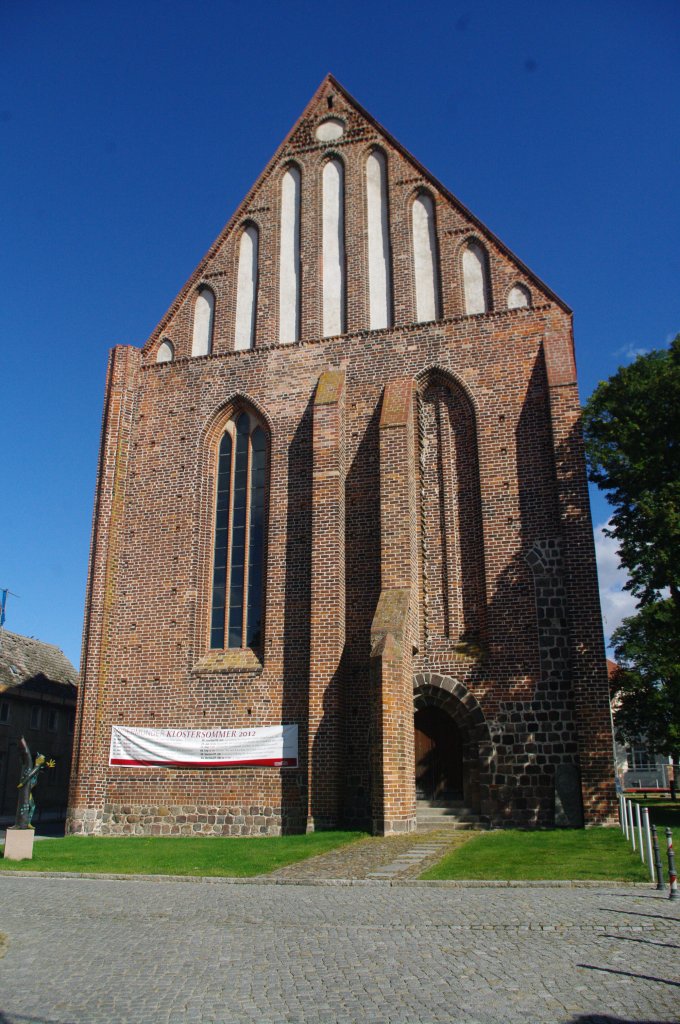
(438,756)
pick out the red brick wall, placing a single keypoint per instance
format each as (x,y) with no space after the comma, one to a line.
(146,641)
(327,626)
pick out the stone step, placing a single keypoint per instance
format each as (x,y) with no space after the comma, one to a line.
(451,826)
(451,815)
(444,812)
(439,803)
(428,818)
(443,818)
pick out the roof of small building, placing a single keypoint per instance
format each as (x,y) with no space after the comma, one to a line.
(24,660)
(612,668)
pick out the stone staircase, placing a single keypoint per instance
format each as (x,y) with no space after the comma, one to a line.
(448,815)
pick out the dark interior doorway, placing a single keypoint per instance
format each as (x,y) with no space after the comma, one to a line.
(439,756)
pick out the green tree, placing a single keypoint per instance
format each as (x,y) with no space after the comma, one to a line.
(647,650)
(632,431)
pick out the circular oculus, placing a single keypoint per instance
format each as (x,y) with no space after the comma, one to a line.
(330,130)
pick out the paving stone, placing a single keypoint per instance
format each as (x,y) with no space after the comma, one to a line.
(94,951)
(359,860)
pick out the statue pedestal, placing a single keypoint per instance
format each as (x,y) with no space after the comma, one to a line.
(19,843)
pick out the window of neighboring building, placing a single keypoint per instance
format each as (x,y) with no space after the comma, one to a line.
(35,716)
(52,720)
(4,712)
(640,757)
(237,606)
(71,722)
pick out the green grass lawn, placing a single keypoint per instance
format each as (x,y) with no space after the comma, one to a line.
(598,854)
(166,855)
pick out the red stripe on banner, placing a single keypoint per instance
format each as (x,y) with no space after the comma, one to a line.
(262,762)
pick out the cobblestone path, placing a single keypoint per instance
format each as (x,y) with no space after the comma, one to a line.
(85,951)
(366,858)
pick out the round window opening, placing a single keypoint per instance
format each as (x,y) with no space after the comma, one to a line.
(330,130)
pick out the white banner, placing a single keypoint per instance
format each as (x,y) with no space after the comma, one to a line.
(274,746)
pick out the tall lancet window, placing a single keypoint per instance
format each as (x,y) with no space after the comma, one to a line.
(246,288)
(476,278)
(451,512)
(239,535)
(204,315)
(289,258)
(379,270)
(425,269)
(333,248)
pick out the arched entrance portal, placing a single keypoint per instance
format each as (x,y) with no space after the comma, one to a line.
(438,755)
(453,749)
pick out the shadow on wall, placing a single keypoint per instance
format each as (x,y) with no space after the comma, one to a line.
(532,776)
(362,582)
(534,767)
(534,747)
(532,734)
(296,623)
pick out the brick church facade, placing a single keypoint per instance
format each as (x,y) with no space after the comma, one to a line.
(342,486)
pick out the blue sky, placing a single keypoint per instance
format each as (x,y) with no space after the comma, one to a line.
(129,132)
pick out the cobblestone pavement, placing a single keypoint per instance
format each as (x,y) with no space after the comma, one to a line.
(94,951)
(366,857)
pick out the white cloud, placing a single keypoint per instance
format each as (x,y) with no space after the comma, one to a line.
(630,352)
(616,602)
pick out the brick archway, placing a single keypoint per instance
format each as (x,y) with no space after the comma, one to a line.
(430,689)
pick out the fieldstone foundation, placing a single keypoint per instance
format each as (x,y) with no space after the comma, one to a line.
(177,820)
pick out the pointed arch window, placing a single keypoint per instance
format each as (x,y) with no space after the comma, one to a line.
(425,258)
(451,512)
(166,351)
(237,593)
(476,278)
(289,257)
(379,269)
(518,297)
(333,223)
(246,289)
(204,314)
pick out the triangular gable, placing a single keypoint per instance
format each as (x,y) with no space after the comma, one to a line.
(298,140)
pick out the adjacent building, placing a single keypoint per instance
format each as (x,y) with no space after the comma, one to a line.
(38,691)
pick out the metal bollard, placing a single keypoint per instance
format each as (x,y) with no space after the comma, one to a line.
(648,842)
(658,864)
(631,824)
(672,877)
(638,823)
(625,812)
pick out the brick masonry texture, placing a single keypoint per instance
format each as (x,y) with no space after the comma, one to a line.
(428,537)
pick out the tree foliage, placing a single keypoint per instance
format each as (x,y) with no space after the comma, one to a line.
(647,649)
(632,433)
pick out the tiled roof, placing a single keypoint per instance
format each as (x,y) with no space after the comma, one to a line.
(24,660)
